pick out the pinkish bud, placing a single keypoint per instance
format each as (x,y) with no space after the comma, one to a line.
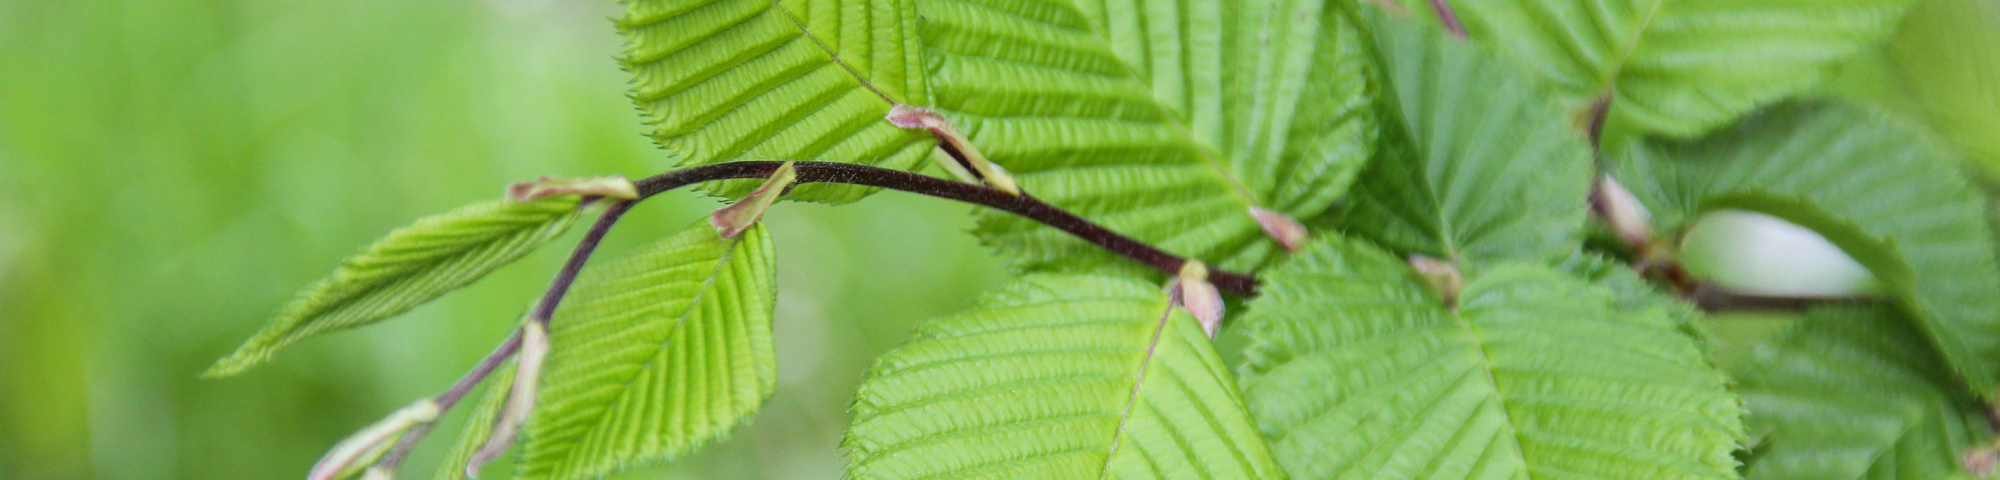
(1191,291)
(732,220)
(1443,276)
(614,186)
(1622,211)
(1285,229)
(907,116)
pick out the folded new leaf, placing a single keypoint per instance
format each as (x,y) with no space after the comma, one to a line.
(410,266)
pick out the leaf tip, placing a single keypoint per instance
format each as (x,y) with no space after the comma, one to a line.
(1281,227)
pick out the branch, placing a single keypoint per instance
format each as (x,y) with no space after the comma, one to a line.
(544,309)
(1715,299)
(1024,205)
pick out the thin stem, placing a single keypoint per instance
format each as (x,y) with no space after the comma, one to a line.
(1715,299)
(458,391)
(546,307)
(1024,205)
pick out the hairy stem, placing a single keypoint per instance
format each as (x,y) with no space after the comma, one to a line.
(546,307)
(1024,205)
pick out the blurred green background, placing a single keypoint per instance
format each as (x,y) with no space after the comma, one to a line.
(172,170)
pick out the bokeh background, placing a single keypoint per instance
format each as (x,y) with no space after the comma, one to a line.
(172,170)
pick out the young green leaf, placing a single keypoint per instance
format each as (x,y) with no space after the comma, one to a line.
(778,80)
(1868,184)
(1165,120)
(1679,67)
(1356,369)
(1057,376)
(1478,167)
(657,353)
(410,266)
(1853,393)
(478,424)
(1948,56)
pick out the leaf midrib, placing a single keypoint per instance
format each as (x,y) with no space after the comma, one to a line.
(569,455)
(1138,385)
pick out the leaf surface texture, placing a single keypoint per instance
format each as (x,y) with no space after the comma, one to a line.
(1057,376)
(1357,370)
(657,353)
(408,267)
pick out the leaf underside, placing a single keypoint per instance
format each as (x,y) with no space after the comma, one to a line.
(1678,67)
(1868,184)
(408,267)
(1057,376)
(1162,120)
(1356,370)
(1479,167)
(657,353)
(1854,393)
(726,80)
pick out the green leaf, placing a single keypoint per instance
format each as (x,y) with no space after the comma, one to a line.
(1163,120)
(1948,56)
(1356,369)
(1855,393)
(1679,67)
(778,80)
(659,352)
(410,266)
(1868,184)
(478,424)
(1057,376)
(1479,167)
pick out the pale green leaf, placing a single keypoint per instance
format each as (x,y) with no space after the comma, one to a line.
(1357,370)
(725,80)
(1853,393)
(1679,67)
(1057,376)
(1163,120)
(478,424)
(1948,56)
(410,266)
(1868,184)
(657,353)
(1479,167)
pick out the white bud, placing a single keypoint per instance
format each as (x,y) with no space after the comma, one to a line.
(1622,211)
(1191,291)
(1443,276)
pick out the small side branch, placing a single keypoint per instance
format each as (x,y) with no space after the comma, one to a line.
(1024,205)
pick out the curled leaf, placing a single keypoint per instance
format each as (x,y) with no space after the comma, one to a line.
(358,451)
(1287,230)
(951,140)
(520,400)
(730,221)
(1191,291)
(614,186)
(1442,275)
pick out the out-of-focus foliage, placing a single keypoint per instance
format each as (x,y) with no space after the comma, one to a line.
(171,171)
